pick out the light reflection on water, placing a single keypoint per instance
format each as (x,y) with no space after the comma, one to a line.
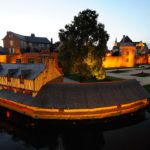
(120,135)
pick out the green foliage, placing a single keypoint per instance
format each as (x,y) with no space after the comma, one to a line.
(119,71)
(142,74)
(147,87)
(82,40)
(76,77)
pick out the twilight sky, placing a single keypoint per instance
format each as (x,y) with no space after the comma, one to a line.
(46,17)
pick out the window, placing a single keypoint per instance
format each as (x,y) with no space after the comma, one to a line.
(31,60)
(40,60)
(127,59)
(18,61)
(30,44)
(127,53)
(21,80)
(11,42)
(8,79)
(11,50)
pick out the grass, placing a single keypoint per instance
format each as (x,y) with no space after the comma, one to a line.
(108,78)
(142,67)
(119,71)
(147,87)
(142,74)
(76,77)
(73,77)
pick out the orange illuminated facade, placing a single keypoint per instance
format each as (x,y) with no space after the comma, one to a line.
(54,105)
(128,53)
(22,52)
(24,49)
(29,78)
(73,114)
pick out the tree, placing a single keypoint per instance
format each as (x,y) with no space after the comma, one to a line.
(83,45)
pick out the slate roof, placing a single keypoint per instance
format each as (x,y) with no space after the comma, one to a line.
(28,71)
(126,41)
(82,95)
(32,38)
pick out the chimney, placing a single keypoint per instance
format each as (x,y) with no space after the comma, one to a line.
(51,40)
(32,35)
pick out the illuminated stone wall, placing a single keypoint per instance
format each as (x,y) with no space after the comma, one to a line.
(112,62)
(23,57)
(127,58)
(141,60)
(3,58)
(148,58)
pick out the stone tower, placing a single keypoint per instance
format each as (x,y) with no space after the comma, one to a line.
(127,50)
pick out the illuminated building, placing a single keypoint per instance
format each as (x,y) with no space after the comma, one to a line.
(24,49)
(76,101)
(127,53)
(27,64)
(27,88)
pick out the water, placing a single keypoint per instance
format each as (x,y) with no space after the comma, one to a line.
(121,134)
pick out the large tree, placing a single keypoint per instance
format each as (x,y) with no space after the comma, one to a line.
(83,45)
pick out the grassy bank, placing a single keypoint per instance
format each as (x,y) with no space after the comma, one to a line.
(108,78)
(76,77)
(147,87)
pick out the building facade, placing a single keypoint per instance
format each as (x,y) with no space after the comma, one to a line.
(27,64)
(24,49)
(127,53)
(17,43)
(29,78)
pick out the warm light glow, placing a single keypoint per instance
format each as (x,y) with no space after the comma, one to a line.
(127,58)
(97,72)
(8,114)
(141,44)
(70,114)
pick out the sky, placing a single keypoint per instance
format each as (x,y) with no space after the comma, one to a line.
(46,17)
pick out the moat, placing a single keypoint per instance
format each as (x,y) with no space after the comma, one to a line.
(125,133)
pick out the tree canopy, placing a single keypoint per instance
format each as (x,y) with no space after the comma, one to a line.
(83,45)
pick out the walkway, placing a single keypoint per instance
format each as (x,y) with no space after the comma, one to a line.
(129,75)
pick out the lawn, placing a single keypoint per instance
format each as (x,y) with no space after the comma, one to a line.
(142,74)
(147,87)
(119,71)
(76,77)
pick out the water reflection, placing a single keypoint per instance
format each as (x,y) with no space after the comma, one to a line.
(74,137)
(53,139)
(87,139)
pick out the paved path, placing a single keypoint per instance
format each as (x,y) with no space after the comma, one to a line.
(129,75)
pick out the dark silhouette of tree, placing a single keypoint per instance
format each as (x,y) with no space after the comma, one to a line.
(83,45)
